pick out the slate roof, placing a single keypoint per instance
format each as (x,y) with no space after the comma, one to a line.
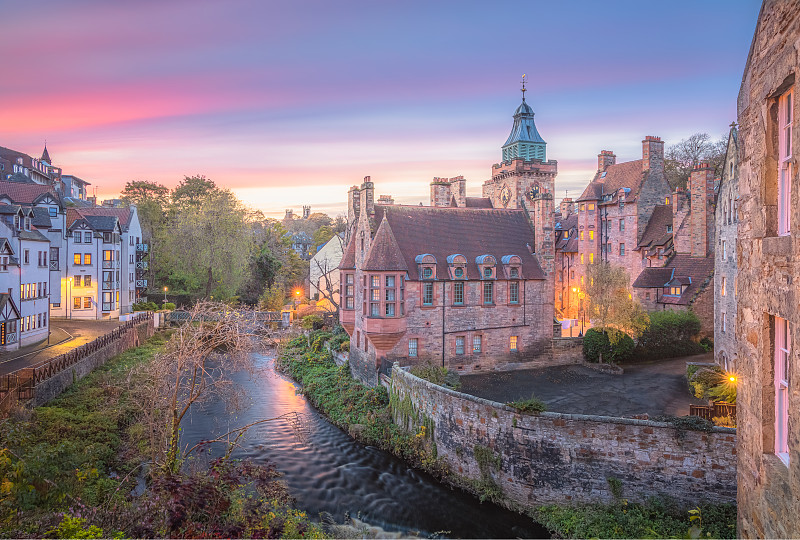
(34,235)
(348,261)
(9,208)
(20,178)
(467,231)
(123,215)
(41,218)
(46,156)
(655,234)
(25,193)
(384,253)
(569,244)
(524,128)
(478,202)
(621,175)
(683,269)
(653,277)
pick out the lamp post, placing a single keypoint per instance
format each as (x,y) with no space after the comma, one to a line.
(297,294)
(69,295)
(165,295)
(581,296)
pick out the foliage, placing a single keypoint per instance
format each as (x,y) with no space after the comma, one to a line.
(437,375)
(670,334)
(145,306)
(615,485)
(707,344)
(312,322)
(711,382)
(168,305)
(486,487)
(346,402)
(686,423)
(611,307)
(680,158)
(272,299)
(530,405)
(596,345)
(657,518)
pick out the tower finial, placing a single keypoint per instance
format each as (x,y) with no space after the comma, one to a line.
(524,76)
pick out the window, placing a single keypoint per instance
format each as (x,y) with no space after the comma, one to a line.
(513,292)
(581,236)
(622,224)
(782,389)
(724,322)
(349,302)
(76,302)
(675,291)
(412,347)
(376,295)
(591,207)
(87,258)
(488,292)
(591,258)
(108,255)
(76,237)
(4,263)
(87,237)
(622,250)
(375,309)
(87,302)
(476,344)
(458,293)
(487,273)
(458,272)
(512,344)
(459,344)
(427,294)
(87,280)
(724,251)
(427,273)
(583,207)
(376,281)
(723,286)
(52,211)
(107,237)
(784,162)
(514,272)
(26,256)
(389,295)
(669,228)
(591,235)
(390,309)
(581,258)
(77,281)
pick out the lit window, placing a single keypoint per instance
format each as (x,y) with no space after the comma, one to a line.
(724,281)
(458,293)
(591,258)
(784,162)
(375,295)
(591,207)
(427,294)
(476,344)
(583,207)
(782,389)
(87,302)
(376,281)
(87,258)
(412,347)
(581,258)
(488,292)
(76,302)
(591,235)
(581,235)
(513,292)
(77,259)
(460,345)
(512,345)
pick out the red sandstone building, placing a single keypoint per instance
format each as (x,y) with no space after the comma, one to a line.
(465,282)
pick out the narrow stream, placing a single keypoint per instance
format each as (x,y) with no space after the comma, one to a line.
(330,472)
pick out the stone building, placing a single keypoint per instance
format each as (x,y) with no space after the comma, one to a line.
(566,251)
(768,260)
(323,273)
(725,279)
(463,283)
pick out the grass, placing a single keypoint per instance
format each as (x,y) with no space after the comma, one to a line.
(657,518)
(532,405)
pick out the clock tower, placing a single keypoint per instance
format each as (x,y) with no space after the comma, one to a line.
(526,179)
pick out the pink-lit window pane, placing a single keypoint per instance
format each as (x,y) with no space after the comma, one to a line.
(782,389)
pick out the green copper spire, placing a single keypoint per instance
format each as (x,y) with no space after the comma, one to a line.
(524,141)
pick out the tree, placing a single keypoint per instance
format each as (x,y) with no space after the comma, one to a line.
(610,304)
(680,158)
(209,242)
(192,191)
(151,200)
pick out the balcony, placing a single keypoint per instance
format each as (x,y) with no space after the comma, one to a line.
(141,283)
(144,248)
(107,306)
(54,265)
(142,265)
(109,264)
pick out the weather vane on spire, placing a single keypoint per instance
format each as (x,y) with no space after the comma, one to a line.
(523,86)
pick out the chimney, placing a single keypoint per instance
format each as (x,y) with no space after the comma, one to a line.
(701,193)
(458,189)
(385,199)
(289,214)
(368,196)
(653,154)
(306,212)
(440,192)
(604,159)
(567,207)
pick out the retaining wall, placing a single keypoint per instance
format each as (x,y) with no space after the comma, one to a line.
(54,385)
(559,458)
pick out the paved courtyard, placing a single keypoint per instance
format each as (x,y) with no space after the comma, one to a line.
(654,388)
(71,332)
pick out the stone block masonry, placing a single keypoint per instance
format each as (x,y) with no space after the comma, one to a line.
(554,458)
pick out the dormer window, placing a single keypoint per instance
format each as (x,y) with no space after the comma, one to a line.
(458,273)
(426,265)
(669,228)
(486,266)
(513,272)
(27,223)
(487,273)
(427,273)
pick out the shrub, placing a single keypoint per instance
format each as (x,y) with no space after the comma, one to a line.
(596,343)
(312,322)
(437,375)
(530,405)
(145,306)
(168,305)
(711,382)
(670,334)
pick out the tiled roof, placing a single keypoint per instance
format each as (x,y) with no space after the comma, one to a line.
(655,234)
(34,235)
(122,214)
(349,257)
(653,277)
(478,202)
(26,193)
(467,231)
(384,253)
(681,269)
(621,175)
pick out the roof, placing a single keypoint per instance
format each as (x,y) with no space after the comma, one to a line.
(20,178)
(26,193)
(384,253)
(123,215)
(46,156)
(478,202)
(471,232)
(570,243)
(34,235)
(349,257)
(655,234)
(41,218)
(524,129)
(629,174)
(74,179)
(96,222)
(6,298)
(683,269)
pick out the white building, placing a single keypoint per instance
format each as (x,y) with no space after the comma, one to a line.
(324,273)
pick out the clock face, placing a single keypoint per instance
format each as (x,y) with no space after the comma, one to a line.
(533,191)
(505,195)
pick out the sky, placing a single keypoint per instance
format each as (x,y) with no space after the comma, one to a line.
(289,103)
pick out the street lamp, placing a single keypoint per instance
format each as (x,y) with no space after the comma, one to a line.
(165,295)
(69,295)
(581,296)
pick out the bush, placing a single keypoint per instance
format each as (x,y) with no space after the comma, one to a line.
(168,305)
(145,306)
(437,375)
(670,334)
(312,322)
(530,405)
(711,382)
(596,343)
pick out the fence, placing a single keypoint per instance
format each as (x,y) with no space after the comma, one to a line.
(717,410)
(21,385)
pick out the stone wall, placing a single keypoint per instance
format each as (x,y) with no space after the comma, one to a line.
(55,385)
(725,353)
(566,458)
(768,276)
(567,350)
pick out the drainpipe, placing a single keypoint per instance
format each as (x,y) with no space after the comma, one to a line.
(443,333)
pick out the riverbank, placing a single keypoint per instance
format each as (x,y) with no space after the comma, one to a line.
(366,414)
(77,468)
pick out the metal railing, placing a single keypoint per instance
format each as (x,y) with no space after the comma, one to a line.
(720,409)
(141,283)
(54,265)
(143,247)
(142,265)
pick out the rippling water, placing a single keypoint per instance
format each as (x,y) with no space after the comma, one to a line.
(330,472)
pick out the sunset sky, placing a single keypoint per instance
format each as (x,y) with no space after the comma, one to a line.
(290,103)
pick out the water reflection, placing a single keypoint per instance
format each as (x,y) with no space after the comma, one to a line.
(329,472)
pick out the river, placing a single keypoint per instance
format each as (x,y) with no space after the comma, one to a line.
(327,471)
